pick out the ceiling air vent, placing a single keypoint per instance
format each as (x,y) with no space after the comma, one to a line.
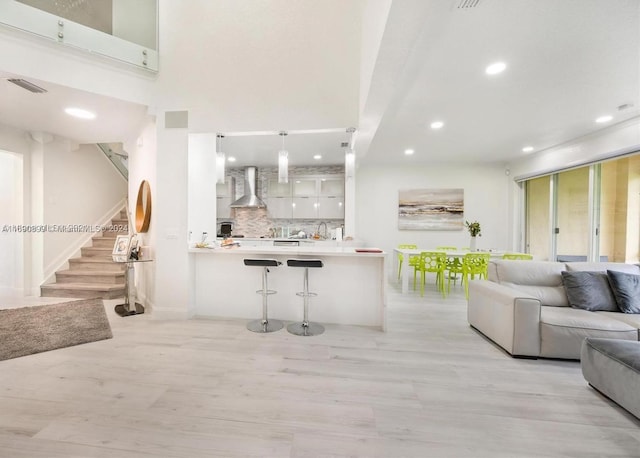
(468,3)
(24,84)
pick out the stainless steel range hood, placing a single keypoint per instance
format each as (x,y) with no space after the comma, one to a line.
(250,199)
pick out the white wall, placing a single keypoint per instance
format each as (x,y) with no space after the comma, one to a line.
(11,208)
(142,166)
(81,187)
(485,200)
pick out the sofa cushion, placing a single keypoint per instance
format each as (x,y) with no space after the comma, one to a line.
(632,319)
(626,289)
(540,279)
(602,267)
(562,330)
(589,291)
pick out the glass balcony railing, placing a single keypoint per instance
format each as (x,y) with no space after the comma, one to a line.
(118,157)
(120,29)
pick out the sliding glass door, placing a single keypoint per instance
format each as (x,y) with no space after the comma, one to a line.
(538,213)
(572,215)
(586,214)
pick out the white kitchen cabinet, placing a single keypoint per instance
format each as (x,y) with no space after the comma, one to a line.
(305,207)
(332,187)
(307,197)
(223,210)
(225,193)
(305,187)
(331,207)
(278,189)
(279,207)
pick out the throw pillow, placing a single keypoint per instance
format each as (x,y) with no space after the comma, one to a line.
(589,291)
(626,289)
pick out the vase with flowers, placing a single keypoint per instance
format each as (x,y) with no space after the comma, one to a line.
(474,230)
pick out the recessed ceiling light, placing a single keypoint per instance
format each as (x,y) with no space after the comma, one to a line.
(79,113)
(409,152)
(603,119)
(317,157)
(231,159)
(495,68)
(437,125)
(527,149)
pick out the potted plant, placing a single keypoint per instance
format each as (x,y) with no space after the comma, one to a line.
(474,230)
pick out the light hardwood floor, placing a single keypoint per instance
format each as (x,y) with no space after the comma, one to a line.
(429,387)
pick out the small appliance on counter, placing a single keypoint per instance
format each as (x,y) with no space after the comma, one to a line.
(225,229)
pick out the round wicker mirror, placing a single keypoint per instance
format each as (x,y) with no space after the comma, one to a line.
(143,207)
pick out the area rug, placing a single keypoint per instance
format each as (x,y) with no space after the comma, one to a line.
(29,330)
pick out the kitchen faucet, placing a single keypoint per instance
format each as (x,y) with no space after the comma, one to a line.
(325,229)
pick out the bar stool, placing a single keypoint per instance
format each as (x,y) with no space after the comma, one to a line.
(264,325)
(305,328)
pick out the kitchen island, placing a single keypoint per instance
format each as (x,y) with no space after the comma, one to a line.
(351,286)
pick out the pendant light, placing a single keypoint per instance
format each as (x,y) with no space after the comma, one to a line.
(350,155)
(283,162)
(220,160)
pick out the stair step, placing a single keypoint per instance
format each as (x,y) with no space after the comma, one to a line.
(119,221)
(95,263)
(102,252)
(82,290)
(104,241)
(90,276)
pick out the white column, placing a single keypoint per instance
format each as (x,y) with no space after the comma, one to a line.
(202,185)
(170,212)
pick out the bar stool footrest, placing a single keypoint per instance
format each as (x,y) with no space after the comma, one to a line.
(268,293)
(264,327)
(303,294)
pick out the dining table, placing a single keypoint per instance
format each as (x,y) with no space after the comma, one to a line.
(407,252)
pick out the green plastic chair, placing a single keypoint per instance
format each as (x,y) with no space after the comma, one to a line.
(453,265)
(474,264)
(413,260)
(431,261)
(518,256)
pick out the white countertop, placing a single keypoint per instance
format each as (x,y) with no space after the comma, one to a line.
(287,251)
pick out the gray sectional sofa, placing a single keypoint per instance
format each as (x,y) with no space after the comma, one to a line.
(524,307)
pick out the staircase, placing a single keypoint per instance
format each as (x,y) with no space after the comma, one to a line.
(93,274)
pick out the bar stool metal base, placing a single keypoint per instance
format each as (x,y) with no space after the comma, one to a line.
(265,326)
(305,329)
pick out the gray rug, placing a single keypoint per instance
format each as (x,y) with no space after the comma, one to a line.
(28,330)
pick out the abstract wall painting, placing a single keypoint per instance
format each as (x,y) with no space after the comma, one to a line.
(431,209)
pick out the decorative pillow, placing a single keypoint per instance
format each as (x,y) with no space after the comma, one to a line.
(589,291)
(626,289)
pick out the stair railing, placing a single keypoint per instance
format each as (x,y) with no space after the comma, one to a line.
(118,159)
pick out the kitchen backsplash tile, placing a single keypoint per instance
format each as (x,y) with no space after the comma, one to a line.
(255,222)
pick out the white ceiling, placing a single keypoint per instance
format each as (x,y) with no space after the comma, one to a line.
(568,62)
(115,120)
